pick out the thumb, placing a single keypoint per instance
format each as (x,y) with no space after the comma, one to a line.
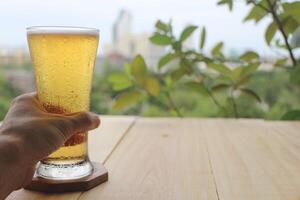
(81,122)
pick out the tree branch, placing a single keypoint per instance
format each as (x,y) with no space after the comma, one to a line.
(281,29)
(173,106)
(215,100)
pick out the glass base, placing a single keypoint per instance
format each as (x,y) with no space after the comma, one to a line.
(57,171)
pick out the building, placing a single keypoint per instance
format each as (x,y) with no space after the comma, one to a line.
(127,44)
(121,34)
(17,56)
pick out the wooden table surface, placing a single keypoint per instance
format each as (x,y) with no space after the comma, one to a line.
(183,159)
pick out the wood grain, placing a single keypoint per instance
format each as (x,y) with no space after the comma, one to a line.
(164,158)
(254,159)
(101,142)
(159,159)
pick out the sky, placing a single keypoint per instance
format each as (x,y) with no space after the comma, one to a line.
(221,25)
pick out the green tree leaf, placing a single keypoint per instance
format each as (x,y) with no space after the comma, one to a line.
(256,14)
(160,39)
(166,59)
(161,26)
(195,87)
(229,3)
(177,74)
(295,75)
(138,68)
(177,46)
(219,67)
(202,38)
(270,32)
(119,81)
(290,25)
(249,56)
(127,69)
(217,49)
(187,32)
(292,9)
(152,86)
(242,81)
(220,87)
(250,93)
(280,62)
(291,115)
(249,69)
(127,99)
(237,73)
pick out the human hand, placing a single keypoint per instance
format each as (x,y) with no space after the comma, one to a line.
(28,134)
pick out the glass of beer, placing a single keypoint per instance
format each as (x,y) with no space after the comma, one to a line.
(63,60)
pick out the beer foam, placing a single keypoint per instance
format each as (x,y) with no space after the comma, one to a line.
(62,30)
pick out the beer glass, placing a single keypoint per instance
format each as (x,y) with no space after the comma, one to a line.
(63,60)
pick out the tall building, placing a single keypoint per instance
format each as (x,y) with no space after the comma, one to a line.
(122,33)
(126,44)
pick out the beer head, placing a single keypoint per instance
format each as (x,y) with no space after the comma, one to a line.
(62,30)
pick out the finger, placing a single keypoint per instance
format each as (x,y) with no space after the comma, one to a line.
(28,177)
(29,95)
(26,97)
(82,122)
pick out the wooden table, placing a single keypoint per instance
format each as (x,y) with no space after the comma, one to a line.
(183,159)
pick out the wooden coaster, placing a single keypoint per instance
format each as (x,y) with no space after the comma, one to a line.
(99,175)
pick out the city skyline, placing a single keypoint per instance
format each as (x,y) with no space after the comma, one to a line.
(220,23)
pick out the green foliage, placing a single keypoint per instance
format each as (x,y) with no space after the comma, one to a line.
(202,38)
(291,115)
(285,17)
(128,99)
(184,73)
(7,93)
(137,82)
(292,8)
(166,59)
(251,93)
(221,68)
(229,3)
(220,87)
(187,32)
(256,14)
(162,26)
(289,24)
(160,39)
(249,56)
(152,86)
(120,81)
(138,68)
(280,62)
(295,78)
(178,74)
(194,86)
(270,32)
(216,51)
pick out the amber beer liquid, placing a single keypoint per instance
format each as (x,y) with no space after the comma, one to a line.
(63,60)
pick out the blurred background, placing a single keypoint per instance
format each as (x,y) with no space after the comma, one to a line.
(130,28)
